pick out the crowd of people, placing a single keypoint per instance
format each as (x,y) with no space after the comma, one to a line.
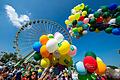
(27,71)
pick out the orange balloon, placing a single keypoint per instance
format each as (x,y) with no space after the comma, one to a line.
(101,68)
(50,56)
(43,39)
(44,52)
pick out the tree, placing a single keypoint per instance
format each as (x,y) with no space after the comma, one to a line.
(10,56)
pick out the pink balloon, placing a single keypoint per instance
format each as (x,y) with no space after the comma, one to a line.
(73,50)
(86,20)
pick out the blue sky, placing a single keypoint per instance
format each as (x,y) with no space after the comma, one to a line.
(104,45)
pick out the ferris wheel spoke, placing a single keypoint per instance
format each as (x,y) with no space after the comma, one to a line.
(24,47)
(25,38)
(47,28)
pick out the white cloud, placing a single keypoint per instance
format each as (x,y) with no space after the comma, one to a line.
(17,20)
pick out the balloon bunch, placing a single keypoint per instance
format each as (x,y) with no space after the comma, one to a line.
(53,49)
(83,19)
(106,18)
(77,22)
(91,68)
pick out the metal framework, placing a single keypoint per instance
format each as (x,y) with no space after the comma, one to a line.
(31,31)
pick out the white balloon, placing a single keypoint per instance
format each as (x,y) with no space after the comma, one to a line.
(112,21)
(70,31)
(84,32)
(73,11)
(99,10)
(91,16)
(52,45)
(59,37)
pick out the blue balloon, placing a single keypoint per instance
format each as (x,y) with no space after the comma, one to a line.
(79,24)
(116,31)
(113,6)
(85,26)
(79,66)
(37,46)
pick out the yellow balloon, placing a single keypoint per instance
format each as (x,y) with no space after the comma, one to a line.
(65,74)
(77,8)
(64,48)
(99,59)
(67,22)
(101,68)
(80,29)
(72,17)
(84,13)
(45,62)
(39,70)
(97,30)
(82,6)
(77,16)
(64,59)
(89,24)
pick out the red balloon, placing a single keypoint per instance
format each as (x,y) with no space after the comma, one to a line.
(102,78)
(90,63)
(81,18)
(99,20)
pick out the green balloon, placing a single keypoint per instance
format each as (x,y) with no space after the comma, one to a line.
(90,53)
(86,8)
(108,30)
(116,14)
(89,77)
(84,77)
(118,20)
(70,63)
(106,14)
(75,30)
(59,44)
(92,28)
(104,8)
(118,9)
(89,10)
(37,56)
(93,21)
(93,76)
(97,14)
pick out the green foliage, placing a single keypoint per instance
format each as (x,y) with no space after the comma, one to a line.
(113,67)
(8,56)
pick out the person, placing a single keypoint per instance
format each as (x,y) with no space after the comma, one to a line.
(10,75)
(18,75)
(5,72)
(26,76)
(1,78)
(34,75)
(74,75)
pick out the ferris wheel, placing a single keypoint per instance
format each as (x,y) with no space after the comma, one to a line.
(30,33)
